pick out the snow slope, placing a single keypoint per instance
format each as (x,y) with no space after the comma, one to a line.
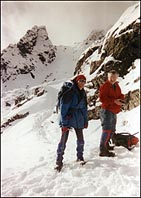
(29,153)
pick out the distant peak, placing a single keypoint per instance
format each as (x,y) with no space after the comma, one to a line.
(36,28)
(29,40)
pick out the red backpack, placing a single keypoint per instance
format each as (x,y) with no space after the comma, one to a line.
(126,140)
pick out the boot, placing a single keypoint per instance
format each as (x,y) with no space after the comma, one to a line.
(104,145)
(59,165)
(110,148)
(106,154)
(80,159)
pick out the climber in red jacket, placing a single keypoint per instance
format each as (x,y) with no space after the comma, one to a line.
(112,100)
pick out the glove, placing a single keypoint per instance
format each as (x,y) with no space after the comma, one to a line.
(65,129)
(86,126)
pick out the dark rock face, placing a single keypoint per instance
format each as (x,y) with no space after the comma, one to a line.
(12,119)
(95,65)
(132,99)
(94,113)
(42,58)
(94,41)
(19,99)
(84,57)
(27,43)
(125,48)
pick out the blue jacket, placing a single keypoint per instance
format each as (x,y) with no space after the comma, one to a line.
(73,108)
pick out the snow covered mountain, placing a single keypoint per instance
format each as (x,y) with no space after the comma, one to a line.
(119,50)
(30,131)
(34,58)
(33,52)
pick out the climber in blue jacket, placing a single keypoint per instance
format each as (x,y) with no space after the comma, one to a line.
(73,114)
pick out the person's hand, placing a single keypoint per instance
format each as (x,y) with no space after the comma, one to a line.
(65,129)
(119,102)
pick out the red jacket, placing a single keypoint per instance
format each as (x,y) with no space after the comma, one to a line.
(107,96)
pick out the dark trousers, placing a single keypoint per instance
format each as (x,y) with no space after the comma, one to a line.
(62,145)
(108,123)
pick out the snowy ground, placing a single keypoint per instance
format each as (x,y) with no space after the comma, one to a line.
(29,153)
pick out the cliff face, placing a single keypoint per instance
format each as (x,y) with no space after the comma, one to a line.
(122,43)
(119,50)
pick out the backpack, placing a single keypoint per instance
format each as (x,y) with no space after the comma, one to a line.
(126,140)
(67,86)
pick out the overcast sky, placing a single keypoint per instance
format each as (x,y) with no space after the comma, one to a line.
(66,22)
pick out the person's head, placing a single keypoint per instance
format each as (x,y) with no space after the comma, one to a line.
(80,80)
(113,76)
